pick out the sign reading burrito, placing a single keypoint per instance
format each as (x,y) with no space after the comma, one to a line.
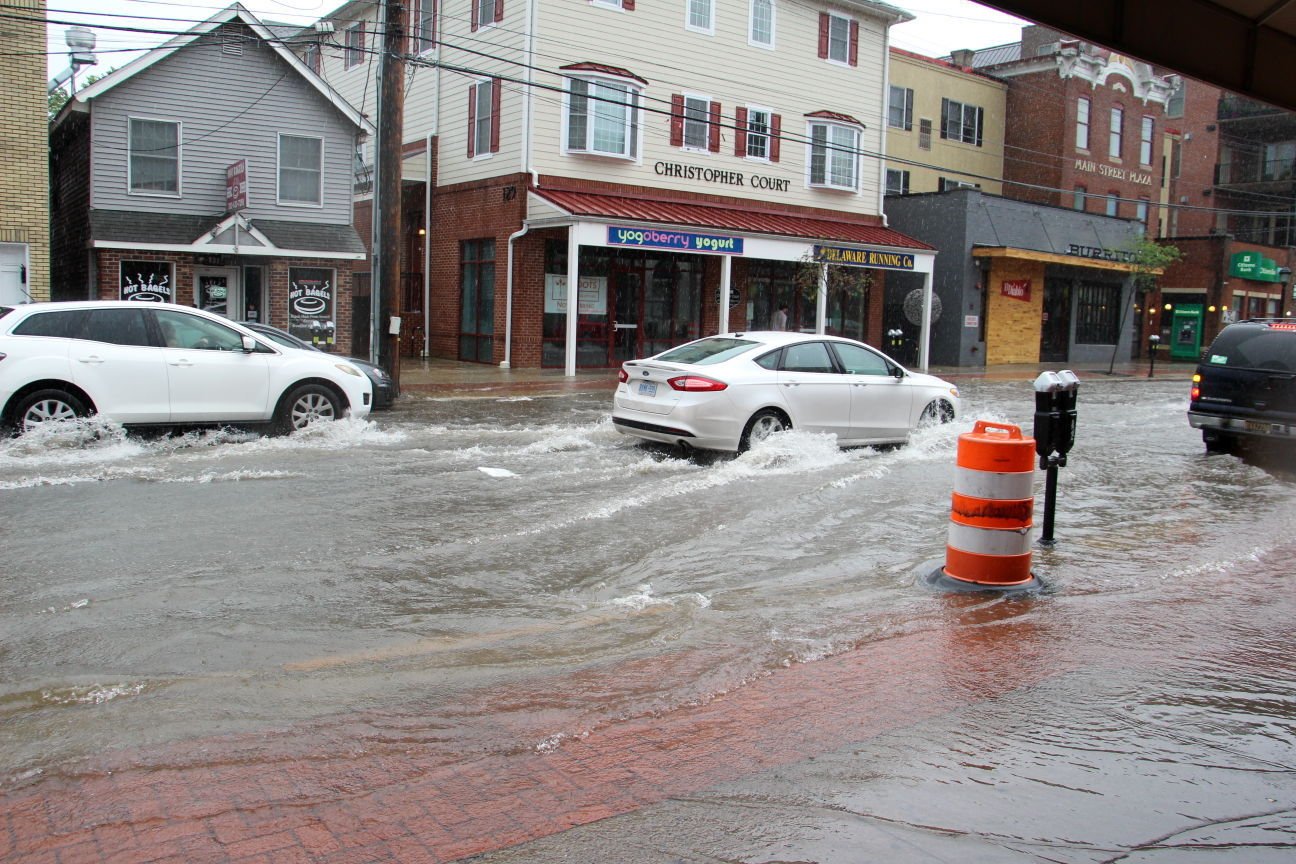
(682,241)
(310,304)
(147,281)
(876,258)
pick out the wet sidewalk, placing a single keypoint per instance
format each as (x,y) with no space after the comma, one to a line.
(449,378)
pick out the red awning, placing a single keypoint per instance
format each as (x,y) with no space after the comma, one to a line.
(697,214)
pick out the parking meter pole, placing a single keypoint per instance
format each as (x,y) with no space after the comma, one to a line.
(1152,349)
(1055,427)
(1050,503)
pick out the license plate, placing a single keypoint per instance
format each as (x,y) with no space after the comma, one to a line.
(647,388)
(1257,426)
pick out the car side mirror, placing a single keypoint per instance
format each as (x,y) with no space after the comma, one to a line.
(249,344)
(897,372)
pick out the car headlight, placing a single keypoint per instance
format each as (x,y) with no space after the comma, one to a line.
(349,369)
(954,392)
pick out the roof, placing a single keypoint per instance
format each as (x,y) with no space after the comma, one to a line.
(235,12)
(835,115)
(603,68)
(842,228)
(995,55)
(172,229)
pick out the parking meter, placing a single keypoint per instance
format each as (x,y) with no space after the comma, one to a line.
(315,330)
(329,332)
(1055,429)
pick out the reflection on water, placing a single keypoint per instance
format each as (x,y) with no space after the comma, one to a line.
(501,574)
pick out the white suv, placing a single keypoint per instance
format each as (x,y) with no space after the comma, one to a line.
(162,365)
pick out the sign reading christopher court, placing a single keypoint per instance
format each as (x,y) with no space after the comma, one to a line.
(864,257)
(683,241)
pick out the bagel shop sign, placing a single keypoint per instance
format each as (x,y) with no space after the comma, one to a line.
(310,304)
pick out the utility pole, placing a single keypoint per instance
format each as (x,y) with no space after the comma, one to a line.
(386,266)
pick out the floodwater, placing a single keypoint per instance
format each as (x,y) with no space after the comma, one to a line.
(156,590)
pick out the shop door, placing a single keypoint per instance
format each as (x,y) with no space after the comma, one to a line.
(627,322)
(216,290)
(1055,332)
(13,275)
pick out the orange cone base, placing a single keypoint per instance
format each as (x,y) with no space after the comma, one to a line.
(987,570)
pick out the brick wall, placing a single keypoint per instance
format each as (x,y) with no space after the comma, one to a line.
(24,129)
(70,208)
(1012,325)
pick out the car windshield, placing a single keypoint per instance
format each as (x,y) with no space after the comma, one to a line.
(284,339)
(707,351)
(5,310)
(1255,348)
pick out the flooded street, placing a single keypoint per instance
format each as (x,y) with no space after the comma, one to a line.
(500,576)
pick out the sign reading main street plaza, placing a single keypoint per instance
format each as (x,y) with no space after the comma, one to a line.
(875,258)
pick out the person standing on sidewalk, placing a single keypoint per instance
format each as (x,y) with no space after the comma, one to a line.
(780,318)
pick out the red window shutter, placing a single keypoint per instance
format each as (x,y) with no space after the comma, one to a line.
(677,120)
(475,17)
(713,141)
(823,35)
(499,10)
(854,44)
(776,131)
(497,87)
(740,136)
(628,5)
(472,119)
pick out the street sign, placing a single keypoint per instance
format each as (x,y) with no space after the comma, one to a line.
(236,187)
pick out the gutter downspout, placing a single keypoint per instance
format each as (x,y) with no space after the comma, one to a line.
(527,168)
(882,127)
(427,247)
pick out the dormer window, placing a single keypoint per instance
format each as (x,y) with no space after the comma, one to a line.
(602,111)
(834,151)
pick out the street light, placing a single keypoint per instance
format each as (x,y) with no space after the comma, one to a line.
(1153,341)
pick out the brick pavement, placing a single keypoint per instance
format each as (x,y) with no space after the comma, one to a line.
(307,793)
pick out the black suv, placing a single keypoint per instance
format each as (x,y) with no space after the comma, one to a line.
(1244,390)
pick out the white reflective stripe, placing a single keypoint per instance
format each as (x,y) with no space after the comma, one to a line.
(996,485)
(989,541)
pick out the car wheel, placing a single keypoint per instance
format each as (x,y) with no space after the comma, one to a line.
(762,425)
(936,413)
(47,406)
(305,405)
(1217,443)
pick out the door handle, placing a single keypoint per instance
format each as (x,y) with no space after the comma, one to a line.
(183,361)
(93,358)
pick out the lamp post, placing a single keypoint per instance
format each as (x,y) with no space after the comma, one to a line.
(1153,341)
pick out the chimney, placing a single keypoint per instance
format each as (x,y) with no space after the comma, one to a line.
(962,57)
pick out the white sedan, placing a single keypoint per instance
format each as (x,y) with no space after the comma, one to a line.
(725,392)
(159,364)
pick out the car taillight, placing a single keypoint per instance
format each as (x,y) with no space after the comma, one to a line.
(1282,325)
(696,384)
(1195,393)
(623,376)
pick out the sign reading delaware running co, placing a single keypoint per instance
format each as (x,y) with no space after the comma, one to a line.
(682,241)
(864,258)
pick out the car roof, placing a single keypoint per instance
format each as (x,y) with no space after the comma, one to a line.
(778,337)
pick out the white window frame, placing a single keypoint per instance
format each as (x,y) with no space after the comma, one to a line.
(487,86)
(633,119)
(751,24)
(179,160)
(768,134)
(705,146)
(846,22)
(1116,134)
(1083,123)
(904,178)
(830,127)
(279,167)
(1113,204)
(1081,196)
(608,4)
(348,50)
(906,107)
(426,42)
(1147,130)
(709,29)
(485,13)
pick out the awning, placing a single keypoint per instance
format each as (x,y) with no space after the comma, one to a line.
(1091,261)
(222,234)
(755,220)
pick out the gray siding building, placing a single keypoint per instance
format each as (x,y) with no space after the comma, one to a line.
(214,171)
(1017,283)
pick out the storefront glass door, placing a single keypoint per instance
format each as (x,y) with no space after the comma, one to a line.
(1055,329)
(217,290)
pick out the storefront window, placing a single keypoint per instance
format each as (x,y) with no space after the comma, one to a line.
(1097,313)
(848,295)
(477,300)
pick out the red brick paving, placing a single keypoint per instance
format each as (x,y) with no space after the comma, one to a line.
(305,796)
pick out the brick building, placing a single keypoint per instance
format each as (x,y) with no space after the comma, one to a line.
(24,202)
(235,198)
(641,153)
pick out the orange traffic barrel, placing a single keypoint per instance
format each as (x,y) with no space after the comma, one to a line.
(990,514)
